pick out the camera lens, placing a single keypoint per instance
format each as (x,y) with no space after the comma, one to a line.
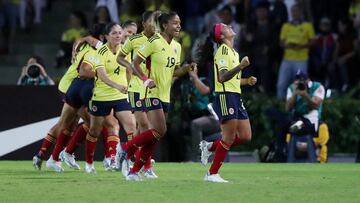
(33,71)
(301,86)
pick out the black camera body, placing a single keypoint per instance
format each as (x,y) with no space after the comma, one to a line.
(33,71)
(301,85)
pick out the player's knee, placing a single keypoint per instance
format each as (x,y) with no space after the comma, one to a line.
(161,129)
(94,131)
(245,135)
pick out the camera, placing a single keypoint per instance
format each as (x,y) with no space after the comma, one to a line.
(33,71)
(301,85)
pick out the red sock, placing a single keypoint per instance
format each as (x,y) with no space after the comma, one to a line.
(112,141)
(140,140)
(214,145)
(61,142)
(105,134)
(137,153)
(90,145)
(147,165)
(78,137)
(220,155)
(237,141)
(145,154)
(48,141)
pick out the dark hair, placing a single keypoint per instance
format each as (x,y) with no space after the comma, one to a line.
(108,27)
(97,30)
(39,60)
(205,51)
(128,23)
(146,15)
(164,18)
(81,16)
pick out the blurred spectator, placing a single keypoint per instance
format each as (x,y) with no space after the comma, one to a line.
(33,73)
(322,52)
(296,37)
(9,12)
(260,42)
(30,5)
(132,10)
(344,55)
(112,7)
(184,39)
(194,12)
(211,16)
(227,17)
(102,15)
(157,5)
(77,29)
(279,13)
(354,8)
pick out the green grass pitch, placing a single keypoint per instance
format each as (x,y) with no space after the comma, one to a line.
(182,182)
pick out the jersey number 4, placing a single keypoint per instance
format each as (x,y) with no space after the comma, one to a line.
(170,62)
(117,70)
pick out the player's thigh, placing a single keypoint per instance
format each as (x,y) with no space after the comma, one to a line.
(96,125)
(243,129)
(127,120)
(68,116)
(157,120)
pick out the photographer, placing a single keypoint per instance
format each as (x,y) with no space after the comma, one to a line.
(34,73)
(304,106)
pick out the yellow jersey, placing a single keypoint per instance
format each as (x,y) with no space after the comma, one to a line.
(299,34)
(73,34)
(226,58)
(130,48)
(72,71)
(104,58)
(164,57)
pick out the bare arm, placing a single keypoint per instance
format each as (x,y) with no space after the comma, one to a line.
(203,89)
(122,61)
(226,75)
(248,81)
(181,71)
(101,73)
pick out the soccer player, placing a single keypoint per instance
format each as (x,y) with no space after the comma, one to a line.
(234,120)
(64,84)
(164,53)
(110,93)
(131,47)
(76,100)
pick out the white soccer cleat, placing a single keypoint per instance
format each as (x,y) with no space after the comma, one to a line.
(106,164)
(150,174)
(89,168)
(133,177)
(125,167)
(215,178)
(205,153)
(69,159)
(37,162)
(54,165)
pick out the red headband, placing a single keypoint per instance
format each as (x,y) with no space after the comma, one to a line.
(217,32)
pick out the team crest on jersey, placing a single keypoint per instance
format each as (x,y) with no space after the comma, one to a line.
(222,62)
(142,47)
(231,111)
(94,108)
(138,104)
(155,102)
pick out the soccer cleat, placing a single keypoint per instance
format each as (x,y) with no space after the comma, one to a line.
(205,153)
(133,177)
(122,160)
(215,178)
(54,165)
(37,162)
(150,174)
(69,159)
(106,164)
(125,167)
(89,168)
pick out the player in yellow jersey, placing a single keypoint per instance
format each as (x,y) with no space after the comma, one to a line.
(164,53)
(63,87)
(110,93)
(130,48)
(234,120)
